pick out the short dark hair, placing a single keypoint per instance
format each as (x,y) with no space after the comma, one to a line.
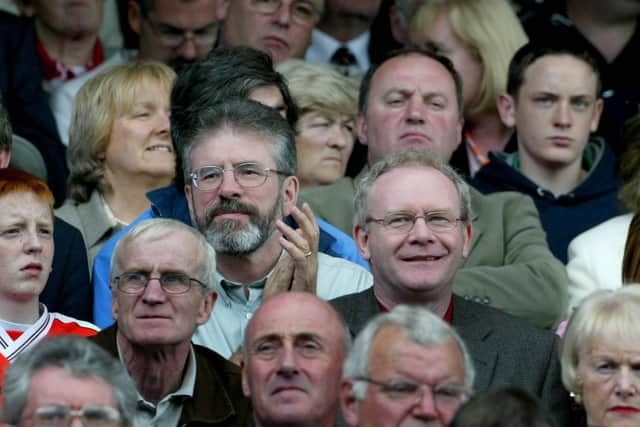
(243,115)
(226,73)
(5,129)
(503,407)
(532,51)
(365,85)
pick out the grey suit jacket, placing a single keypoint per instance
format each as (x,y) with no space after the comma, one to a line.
(504,349)
(509,267)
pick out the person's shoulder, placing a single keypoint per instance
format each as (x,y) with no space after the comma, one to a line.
(225,369)
(503,325)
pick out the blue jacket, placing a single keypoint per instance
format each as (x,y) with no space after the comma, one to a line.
(593,201)
(168,202)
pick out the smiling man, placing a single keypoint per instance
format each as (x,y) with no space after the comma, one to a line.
(293,361)
(554,103)
(281,28)
(413,225)
(162,279)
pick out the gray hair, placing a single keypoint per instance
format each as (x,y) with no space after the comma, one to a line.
(158,228)
(605,314)
(245,115)
(422,326)
(78,357)
(410,157)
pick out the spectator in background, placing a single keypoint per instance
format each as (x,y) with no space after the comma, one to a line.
(163,284)
(327,103)
(406,367)
(605,256)
(68,289)
(600,352)
(60,43)
(341,36)
(280,28)
(120,148)
(175,32)
(609,30)
(26,254)
(62,375)
(480,37)
(553,101)
(414,100)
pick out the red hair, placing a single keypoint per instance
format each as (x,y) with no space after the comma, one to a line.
(17,181)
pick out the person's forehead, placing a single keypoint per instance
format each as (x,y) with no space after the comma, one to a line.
(404,183)
(231,144)
(294,317)
(395,353)
(242,8)
(413,69)
(268,95)
(188,15)
(539,72)
(142,252)
(43,389)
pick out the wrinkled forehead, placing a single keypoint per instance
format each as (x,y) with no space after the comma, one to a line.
(414,69)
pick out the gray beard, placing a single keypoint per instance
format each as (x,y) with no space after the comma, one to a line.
(230,238)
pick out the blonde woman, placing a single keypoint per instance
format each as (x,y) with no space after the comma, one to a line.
(327,103)
(119,149)
(480,37)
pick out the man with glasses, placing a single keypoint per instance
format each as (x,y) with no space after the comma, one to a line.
(413,225)
(239,167)
(406,367)
(175,32)
(280,27)
(64,378)
(163,284)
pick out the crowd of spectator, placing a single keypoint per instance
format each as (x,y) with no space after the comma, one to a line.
(319,213)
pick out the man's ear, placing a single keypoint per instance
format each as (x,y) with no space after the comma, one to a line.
(245,381)
(348,403)
(134,14)
(206,306)
(595,120)
(114,303)
(361,129)
(290,189)
(361,236)
(5,158)
(507,109)
(468,237)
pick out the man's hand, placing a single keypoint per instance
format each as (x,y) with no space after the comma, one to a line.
(297,268)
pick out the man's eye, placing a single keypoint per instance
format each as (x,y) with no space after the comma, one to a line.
(581,104)
(305,10)
(439,220)
(249,170)
(210,174)
(401,389)
(395,101)
(309,348)
(543,100)
(399,220)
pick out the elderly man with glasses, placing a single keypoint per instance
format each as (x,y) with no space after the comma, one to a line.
(281,28)
(413,225)
(162,279)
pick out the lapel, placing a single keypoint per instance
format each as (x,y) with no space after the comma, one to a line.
(96,223)
(357,309)
(475,333)
(478,222)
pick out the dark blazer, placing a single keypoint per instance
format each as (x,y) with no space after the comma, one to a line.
(504,349)
(68,289)
(217,395)
(25,99)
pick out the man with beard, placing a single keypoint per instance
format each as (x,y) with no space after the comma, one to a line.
(239,167)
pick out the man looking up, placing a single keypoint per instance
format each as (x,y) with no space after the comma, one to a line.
(414,100)
(292,365)
(162,280)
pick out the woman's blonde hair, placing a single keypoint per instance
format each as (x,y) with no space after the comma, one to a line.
(490,28)
(320,88)
(610,315)
(98,103)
